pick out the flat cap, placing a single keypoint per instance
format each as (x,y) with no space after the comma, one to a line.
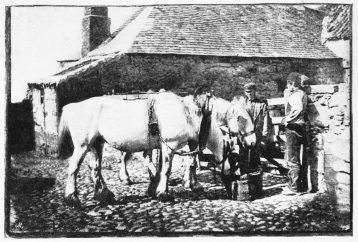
(250,86)
(295,77)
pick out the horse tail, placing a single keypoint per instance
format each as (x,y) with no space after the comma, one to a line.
(65,144)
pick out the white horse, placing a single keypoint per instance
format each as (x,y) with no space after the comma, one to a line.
(124,126)
(232,115)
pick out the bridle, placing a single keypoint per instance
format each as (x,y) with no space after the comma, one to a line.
(243,135)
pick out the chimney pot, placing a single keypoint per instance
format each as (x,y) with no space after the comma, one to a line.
(95,28)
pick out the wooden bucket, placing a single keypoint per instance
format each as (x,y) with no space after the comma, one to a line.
(249,188)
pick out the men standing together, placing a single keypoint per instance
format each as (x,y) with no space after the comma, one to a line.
(296,125)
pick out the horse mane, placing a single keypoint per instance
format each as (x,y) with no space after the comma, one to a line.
(237,107)
(240,101)
(220,109)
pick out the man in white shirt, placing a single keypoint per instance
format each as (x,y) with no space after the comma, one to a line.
(295,123)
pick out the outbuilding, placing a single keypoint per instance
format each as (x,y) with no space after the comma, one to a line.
(182,47)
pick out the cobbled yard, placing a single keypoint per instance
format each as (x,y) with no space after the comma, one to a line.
(37,208)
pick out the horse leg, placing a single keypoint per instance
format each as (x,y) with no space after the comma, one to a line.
(189,161)
(226,177)
(190,178)
(148,162)
(101,192)
(164,173)
(153,172)
(71,193)
(195,185)
(123,173)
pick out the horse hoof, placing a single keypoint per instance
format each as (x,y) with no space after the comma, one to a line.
(126,182)
(105,196)
(72,201)
(186,184)
(152,189)
(197,188)
(164,197)
(151,192)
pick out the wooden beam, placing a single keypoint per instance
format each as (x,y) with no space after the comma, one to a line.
(275,101)
(276,120)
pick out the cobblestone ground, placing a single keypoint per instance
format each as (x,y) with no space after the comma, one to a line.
(37,207)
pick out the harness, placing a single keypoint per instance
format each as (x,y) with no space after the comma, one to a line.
(153,120)
(240,142)
(203,132)
(243,135)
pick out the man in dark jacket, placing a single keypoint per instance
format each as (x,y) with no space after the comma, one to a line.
(257,110)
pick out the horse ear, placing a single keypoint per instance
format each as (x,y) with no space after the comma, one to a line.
(198,91)
(241,101)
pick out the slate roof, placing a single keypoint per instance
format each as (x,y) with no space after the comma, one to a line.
(231,30)
(338,23)
(210,30)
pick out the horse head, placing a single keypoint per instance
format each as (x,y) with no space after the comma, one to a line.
(215,142)
(240,123)
(209,135)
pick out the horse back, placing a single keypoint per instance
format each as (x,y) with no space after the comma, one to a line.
(175,121)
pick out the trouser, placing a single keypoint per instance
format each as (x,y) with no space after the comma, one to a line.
(255,162)
(312,161)
(295,144)
(250,168)
(252,162)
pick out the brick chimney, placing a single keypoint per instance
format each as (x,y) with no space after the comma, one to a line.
(95,28)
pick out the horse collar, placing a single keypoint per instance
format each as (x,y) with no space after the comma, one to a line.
(206,108)
(243,135)
(153,121)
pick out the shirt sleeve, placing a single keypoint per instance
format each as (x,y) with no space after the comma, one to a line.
(298,103)
(285,98)
(266,116)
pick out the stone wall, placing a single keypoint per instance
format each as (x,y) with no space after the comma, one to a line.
(329,106)
(330,115)
(225,75)
(78,89)
(329,153)
(45,114)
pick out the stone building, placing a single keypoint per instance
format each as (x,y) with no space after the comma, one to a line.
(180,48)
(337,34)
(329,111)
(337,141)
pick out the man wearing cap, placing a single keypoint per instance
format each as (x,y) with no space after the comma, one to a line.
(257,110)
(295,128)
